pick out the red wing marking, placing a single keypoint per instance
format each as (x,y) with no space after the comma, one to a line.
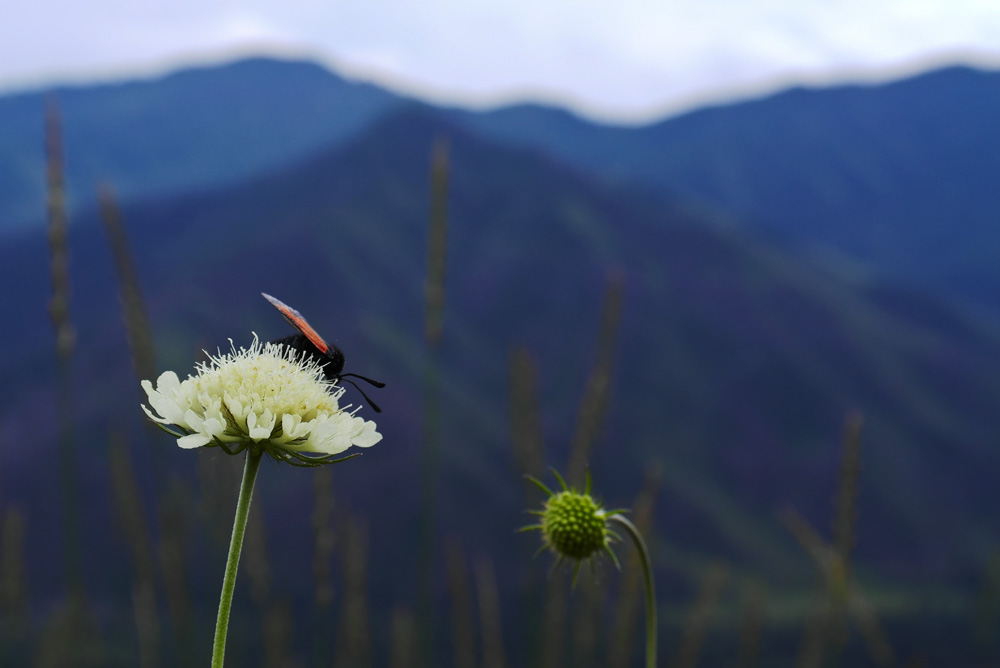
(298,322)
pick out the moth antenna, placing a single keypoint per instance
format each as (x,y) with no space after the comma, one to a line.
(364,378)
(367,398)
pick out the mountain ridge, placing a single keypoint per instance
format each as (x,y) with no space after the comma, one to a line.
(893,176)
(191,129)
(722,335)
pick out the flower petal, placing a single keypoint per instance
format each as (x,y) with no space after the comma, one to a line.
(368,437)
(193,441)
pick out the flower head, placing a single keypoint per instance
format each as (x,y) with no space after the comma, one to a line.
(574,526)
(265,397)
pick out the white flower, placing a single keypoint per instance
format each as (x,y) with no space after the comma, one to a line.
(268,396)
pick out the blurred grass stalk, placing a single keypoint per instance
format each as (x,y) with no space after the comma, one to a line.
(326,541)
(700,616)
(463,634)
(403,648)
(173,516)
(354,643)
(128,502)
(987,614)
(554,622)
(127,495)
(592,594)
(138,330)
(525,419)
(139,334)
(14,589)
(529,453)
(437,246)
(528,441)
(65,344)
(275,622)
(752,624)
(589,420)
(594,404)
(839,595)
(489,614)
(73,625)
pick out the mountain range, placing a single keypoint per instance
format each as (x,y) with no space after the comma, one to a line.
(740,350)
(896,178)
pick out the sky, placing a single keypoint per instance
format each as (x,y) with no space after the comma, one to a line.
(628,60)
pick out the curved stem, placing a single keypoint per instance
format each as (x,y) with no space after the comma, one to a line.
(647,571)
(253,458)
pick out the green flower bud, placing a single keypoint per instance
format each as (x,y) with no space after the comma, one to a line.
(574,526)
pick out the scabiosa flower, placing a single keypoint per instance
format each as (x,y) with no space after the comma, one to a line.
(574,526)
(267,397)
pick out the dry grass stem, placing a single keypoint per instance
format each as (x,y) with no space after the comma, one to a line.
(463,630)
(696,628)
(594,403)
(489,614)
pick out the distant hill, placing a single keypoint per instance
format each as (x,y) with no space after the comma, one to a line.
(900,176)
(736,364)
(192,130)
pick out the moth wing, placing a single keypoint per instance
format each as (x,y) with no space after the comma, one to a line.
(298,322)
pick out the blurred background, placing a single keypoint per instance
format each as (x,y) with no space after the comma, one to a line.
(738,259)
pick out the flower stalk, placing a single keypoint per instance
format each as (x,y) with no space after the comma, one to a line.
(251,465)
(265,399)
(576,528)
(647,571)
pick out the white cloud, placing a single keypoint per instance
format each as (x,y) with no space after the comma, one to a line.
(632,57)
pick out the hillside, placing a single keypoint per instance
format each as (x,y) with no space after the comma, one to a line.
(193,129)
(898,176)
(737,362)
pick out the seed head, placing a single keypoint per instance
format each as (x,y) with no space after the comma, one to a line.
(574,526)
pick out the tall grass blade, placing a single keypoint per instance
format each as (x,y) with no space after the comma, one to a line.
(987,615)
(354,641)
(591,595)
(65,343)
(437,246)
(173,511)
(752,624)
(491,628)
(403,650)
(137,328)
(128,503)
(275,615)
(463,630)
(326,540)
(525,418)
(529,457)
(840,595)
(593,405)
(696,628)
(554,621)
(256,562)
(14,588)
(845,515)
(433,327)
(277,628)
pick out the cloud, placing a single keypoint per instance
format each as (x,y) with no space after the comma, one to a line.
(632,58)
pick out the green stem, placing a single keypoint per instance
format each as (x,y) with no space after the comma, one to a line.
(647,571)
(254,456)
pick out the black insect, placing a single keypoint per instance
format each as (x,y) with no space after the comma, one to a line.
(311,344)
